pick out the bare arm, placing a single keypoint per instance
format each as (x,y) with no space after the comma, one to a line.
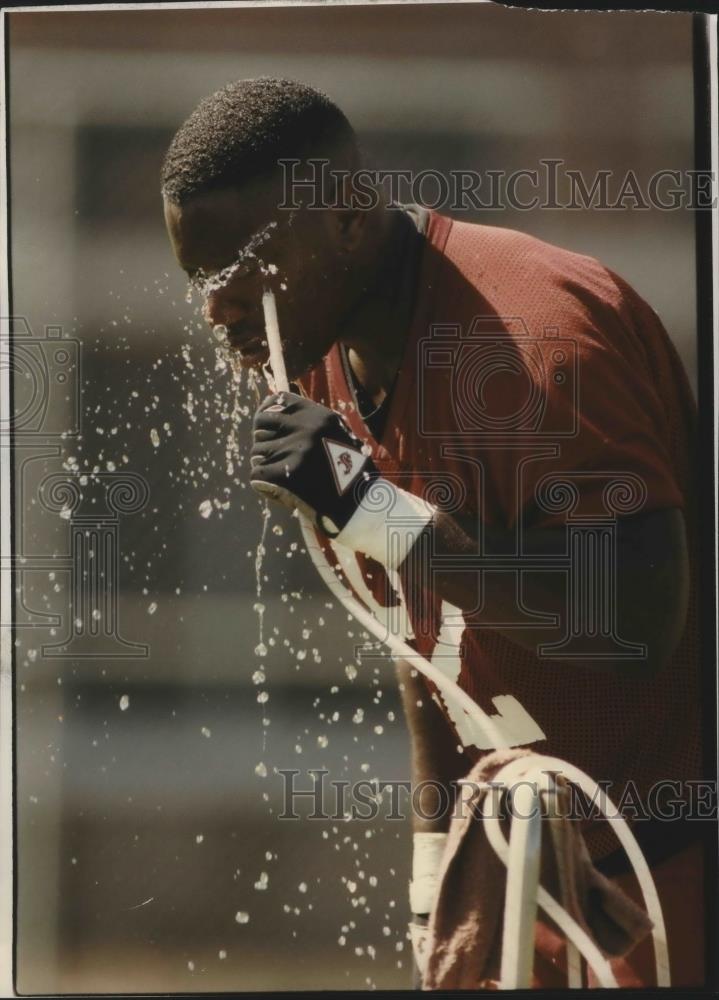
(652,582)
(434,747)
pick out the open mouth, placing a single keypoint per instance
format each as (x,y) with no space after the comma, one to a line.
(250,350)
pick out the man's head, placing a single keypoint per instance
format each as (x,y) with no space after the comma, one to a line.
(222,187)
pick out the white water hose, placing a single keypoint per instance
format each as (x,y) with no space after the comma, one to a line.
(404,651)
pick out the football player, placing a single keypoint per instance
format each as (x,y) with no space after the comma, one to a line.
(518,416)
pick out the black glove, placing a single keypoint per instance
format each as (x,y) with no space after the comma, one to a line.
(305,456)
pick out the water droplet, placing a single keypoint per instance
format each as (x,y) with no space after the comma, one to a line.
(124,703)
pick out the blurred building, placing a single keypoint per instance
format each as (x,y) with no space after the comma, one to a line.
(147,788)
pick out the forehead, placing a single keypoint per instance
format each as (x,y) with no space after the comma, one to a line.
(211,229)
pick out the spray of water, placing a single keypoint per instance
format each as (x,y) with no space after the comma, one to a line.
(208,479)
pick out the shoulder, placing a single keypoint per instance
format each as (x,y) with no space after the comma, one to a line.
(504,273)
(523,260)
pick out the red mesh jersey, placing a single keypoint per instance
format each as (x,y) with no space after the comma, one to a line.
(527,364)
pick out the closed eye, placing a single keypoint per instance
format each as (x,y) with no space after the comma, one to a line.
(211,280)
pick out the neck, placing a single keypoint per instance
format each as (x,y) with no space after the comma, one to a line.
(375,333)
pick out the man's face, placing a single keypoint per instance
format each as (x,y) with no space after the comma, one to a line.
(235,243)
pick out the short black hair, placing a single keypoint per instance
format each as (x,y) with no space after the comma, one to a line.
(242,130)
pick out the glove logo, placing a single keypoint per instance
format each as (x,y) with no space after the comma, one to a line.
(346,463)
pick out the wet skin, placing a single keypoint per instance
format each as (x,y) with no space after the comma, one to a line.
(329,270)
(309,256)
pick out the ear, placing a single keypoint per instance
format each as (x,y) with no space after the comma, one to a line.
(346,223)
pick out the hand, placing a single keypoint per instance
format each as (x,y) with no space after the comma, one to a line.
(306,457)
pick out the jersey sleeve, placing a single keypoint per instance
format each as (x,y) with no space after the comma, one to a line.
(601,444)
